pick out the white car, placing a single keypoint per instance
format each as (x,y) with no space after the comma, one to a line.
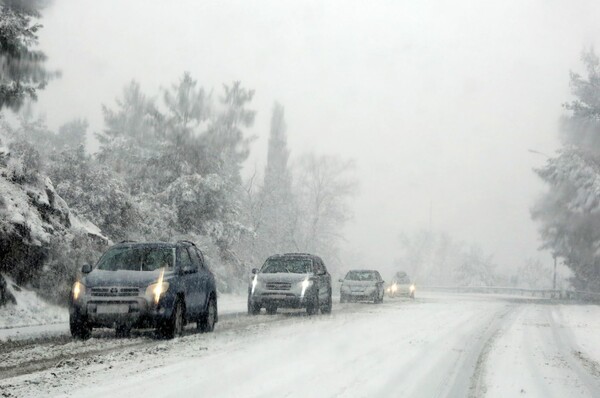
(362,285)
(401,286)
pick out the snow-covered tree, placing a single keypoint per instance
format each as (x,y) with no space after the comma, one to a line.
(22,70)
(437,259)
(323,187)
(569,212)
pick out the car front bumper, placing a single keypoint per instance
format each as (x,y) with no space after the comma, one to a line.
(282,299)
(358,295)
(135,312)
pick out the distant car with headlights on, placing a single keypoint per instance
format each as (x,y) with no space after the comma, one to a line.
(293,280)
(362,285)
(401,286)
(142,285)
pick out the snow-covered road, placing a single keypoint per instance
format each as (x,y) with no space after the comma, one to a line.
(435,346)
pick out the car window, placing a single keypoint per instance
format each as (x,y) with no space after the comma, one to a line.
(361,276)
(194,257)
(184,258)
(287,265)
(137,259)
(200,257)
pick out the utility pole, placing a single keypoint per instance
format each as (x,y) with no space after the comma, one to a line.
(554,280)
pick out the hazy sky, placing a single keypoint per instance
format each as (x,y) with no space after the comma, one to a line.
(438,101)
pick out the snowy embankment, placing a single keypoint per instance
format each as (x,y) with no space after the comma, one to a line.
(30,314)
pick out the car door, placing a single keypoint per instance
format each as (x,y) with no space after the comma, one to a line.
(379,284)
(204,277)
(323,282)
(189,274)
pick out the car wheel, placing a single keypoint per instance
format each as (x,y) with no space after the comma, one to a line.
(207,321)
(327,308)
(313,306)
(122,331)
(174,326)
(412,296)
(79,327)
(271,310)
(253,309)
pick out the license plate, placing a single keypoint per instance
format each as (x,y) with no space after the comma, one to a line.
(112,309)
(278,297)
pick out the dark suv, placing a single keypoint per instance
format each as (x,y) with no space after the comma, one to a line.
(293,280)
(141,285)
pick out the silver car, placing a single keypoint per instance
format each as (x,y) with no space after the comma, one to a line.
(293,280)
(362,285)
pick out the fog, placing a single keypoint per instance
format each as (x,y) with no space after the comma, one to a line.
(438,102)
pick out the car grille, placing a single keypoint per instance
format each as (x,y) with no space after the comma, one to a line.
(115,291)
(278,285)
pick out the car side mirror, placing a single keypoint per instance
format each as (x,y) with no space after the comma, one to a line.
(341,280)
(86,269)
(255,270)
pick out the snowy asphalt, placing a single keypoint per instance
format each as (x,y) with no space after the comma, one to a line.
(435,346)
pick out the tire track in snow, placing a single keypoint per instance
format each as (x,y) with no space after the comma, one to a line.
(498,325)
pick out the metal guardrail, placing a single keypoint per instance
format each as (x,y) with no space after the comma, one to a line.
(542,293)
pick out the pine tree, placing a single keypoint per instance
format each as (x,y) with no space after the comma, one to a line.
(569,213)
(22,71)
(275,231)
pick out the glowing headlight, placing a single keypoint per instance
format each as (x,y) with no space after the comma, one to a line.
(412,288)
(394,288)
(254,282)
(305,285)
(156,290)
(78,290)
(159,288)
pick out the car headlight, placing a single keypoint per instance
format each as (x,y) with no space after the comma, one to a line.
(78,290)
(345,288)
(156,290)
(305,285)
(394,288)
(412,288)
(254,282)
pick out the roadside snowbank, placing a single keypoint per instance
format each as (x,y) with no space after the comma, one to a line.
(30,310)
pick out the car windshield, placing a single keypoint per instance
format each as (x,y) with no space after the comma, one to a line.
(361,276)
(287,265)
(405,280)
(137,259)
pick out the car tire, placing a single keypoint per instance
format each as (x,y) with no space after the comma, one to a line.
(174,326)
(253,309)
(327,308)
(206,323)
(79,327)
(313,306)
(271,309)
(122,331)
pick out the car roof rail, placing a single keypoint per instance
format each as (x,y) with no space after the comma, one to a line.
(128,241)
(297,254)
(186,241)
